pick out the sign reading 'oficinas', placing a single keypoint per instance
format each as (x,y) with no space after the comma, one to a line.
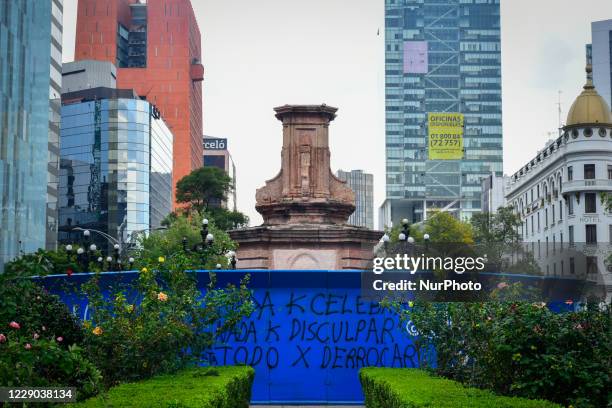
(445,136)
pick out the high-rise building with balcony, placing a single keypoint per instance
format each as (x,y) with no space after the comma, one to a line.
(156,48)
(442,60)
(29,47)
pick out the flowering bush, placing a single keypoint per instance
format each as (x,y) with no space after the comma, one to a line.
(43,361)
(517,348)
(37,340)
(159,322)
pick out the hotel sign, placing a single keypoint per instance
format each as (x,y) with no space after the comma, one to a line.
(445,136)
(215,143)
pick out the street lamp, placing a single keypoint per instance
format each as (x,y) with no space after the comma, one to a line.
(426,239)
(231,255)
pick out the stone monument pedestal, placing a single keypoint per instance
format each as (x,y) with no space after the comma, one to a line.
(305,207)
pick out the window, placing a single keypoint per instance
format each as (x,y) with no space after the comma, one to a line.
(570,173)
(571,235)
(610,232)
(546,218)
(538,222)
(591,264)
(553,213)
(591,234)
(590,203)
(570,205)
(561,240)
(609,172)
(589,171)
(560,210)
(532,225)
(572,266)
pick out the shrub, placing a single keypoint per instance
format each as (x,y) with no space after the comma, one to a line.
(518,348)
(37,339)
(37,311)
(221,387)
(412,388)
(42,362)
(160,322)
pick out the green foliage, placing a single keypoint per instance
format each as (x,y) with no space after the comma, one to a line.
(202,187)
(497,236)
(160,322)
(42,263)
(225,219)
(442,228)
(221,387)
(41,350)
(25,362)
(517,348)
(500,227)
(412,388)
(168,243)
(36,311)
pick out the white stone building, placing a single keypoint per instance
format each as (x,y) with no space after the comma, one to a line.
(558,194)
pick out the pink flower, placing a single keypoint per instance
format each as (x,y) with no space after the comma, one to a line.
(28,346)
(502,285)
(60,339)
(2,338)
(36,336)
(14,325)
(578,326)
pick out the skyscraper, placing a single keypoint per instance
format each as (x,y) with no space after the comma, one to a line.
(601,57)
(115,170)
(26,48)
(55,91)
(443,105)
(156,48)
(362,185)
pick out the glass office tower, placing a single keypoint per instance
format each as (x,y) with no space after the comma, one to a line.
(115,165)
(441,56)
(25,47)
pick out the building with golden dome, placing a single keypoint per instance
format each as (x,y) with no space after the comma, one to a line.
(558,194)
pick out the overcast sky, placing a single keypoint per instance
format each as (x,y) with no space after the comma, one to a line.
(266,53)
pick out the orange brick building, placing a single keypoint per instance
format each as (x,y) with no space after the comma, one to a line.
(155,45)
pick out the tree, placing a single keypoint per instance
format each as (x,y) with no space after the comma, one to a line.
(500,227)
(203,187)
(168,243)
(497,235)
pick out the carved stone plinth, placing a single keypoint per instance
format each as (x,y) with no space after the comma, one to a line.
(305,207)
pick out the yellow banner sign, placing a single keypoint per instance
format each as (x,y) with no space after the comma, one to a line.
(445,136)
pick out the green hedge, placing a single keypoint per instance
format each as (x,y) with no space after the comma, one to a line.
(413,388)
(218,387)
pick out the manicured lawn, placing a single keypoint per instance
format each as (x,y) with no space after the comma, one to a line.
(215,387)
(413,388)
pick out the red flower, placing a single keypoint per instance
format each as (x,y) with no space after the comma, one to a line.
(28,346)
(69,271)
(569,302)
(14,325)
(2,338)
